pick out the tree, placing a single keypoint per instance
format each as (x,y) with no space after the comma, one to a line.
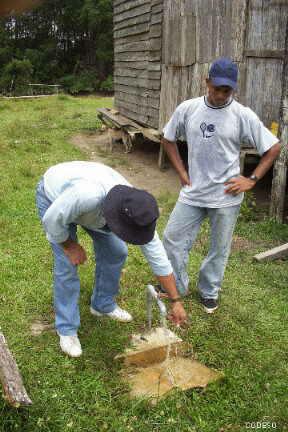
(61,38)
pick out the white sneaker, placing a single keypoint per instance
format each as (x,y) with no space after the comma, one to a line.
(70,345)
(117,314)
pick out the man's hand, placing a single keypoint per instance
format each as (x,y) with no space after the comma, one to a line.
(174,156)
(239,184)
(177,314)
(243,184)
(184,178)
(74,252)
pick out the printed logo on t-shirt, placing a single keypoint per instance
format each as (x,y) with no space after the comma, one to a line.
(207,130)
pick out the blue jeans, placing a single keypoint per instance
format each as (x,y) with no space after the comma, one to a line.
(180,234)
(110,254)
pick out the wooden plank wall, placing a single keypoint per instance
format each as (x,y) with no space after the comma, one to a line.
(264,57)
(164,48)
(252,32)
(137,56)
(217,28)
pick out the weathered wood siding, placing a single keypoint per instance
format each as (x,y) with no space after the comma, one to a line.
(264,56)
(251,32)
(164,48)
(137,54)
(217,28)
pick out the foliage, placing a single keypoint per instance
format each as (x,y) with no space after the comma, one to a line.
(16,75)
(60,39)
(107,84)
(245,338)
(248,207)
(85,82)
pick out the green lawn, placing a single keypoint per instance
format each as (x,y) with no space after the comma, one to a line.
(246,339)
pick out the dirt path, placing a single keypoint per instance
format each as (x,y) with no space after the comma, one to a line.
(139,167)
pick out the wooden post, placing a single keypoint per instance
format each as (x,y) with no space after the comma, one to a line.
(279,176)
(280,166)
(10,378)
(161,157)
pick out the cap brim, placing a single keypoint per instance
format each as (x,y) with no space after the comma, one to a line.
(219,81)
(130,233)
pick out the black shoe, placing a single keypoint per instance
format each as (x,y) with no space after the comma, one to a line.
(209,305)
(159,289)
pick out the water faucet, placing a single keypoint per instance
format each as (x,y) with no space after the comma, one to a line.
(152,294)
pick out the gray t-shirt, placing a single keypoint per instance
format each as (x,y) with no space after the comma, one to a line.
(213,137)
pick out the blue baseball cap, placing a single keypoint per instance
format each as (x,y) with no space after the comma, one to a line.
(223,72)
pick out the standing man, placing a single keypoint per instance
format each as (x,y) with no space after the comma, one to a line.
(214,126)
(112,212)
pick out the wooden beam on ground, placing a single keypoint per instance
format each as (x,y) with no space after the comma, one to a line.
(120,121)
(130,130)
(151,134)
(272,254)
(115,117)
(10,377)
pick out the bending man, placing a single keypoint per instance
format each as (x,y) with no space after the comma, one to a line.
(112,212)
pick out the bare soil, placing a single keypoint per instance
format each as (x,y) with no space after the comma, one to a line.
(139,167)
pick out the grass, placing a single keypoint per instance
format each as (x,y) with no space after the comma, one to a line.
(246,338)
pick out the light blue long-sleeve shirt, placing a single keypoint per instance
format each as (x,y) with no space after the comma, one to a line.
(77,191)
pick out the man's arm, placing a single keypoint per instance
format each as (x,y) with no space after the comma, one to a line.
(243,184)
(175,158)
(70,205)
(157,258)
(177,312)
(267,160)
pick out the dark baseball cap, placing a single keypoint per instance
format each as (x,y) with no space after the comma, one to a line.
(131,214)
(223,72)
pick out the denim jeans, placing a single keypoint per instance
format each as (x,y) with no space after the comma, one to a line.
(110,254)
(180,234)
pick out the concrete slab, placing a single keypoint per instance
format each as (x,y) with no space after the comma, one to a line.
(154,365)
(158,379)
(151,347)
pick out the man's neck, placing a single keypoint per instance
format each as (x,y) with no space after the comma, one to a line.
(209,102)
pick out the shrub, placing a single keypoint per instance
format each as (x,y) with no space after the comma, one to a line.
(85,82)
(248,207)
(16,75)
(107,84)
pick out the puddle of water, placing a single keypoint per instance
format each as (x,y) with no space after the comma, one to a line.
(166,364)
(152,347)
(159,368)
(153,381)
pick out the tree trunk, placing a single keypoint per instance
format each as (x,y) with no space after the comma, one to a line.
(10,378)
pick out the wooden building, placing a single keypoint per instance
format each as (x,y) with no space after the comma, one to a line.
(163,50)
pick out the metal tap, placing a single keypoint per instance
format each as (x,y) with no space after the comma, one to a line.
(151,294)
